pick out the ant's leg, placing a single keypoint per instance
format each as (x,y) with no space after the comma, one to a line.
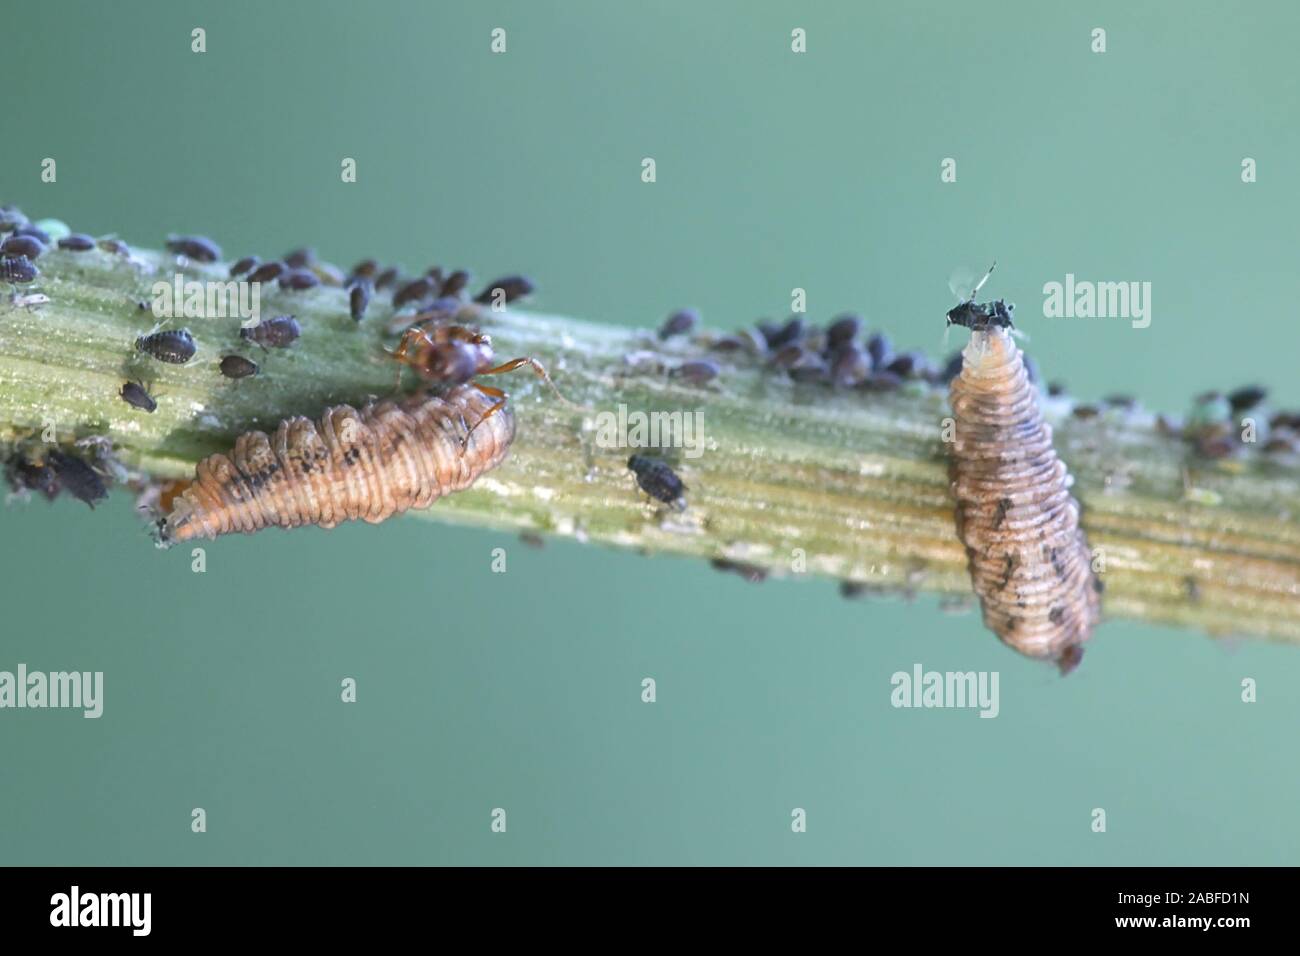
(537,367)
(496,406)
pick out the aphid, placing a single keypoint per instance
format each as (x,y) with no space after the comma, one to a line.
(198,248)
(370,464)
(788,356)
(752,573)
(34,232)
(328,273)
(246,264)
(174,346)
(359,298)
(18,269)
(1029,561)
(434,273)
(279,332)
(296,280)
(386,278)
(882,381)
(236,366)
(1244,399)
(267,271)
(11,218)
(115,246)
(880,350)
(1085,411)
(77,242)
(77,478)
(697,372)
(679,323)
(811,370)
(506,289)
(300,258)
(658,480)
(908,365)
(137,396)
(414,291)
(454,284)
(843,330)
(778,337)
(365,269)
(20,245)
(851,366)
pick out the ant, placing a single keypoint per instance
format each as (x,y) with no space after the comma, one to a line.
(451,355)
(981,316)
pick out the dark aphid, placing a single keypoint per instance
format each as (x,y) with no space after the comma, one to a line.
(386,278)
(365,269)
(728,343)
(137,396)
(278,332)
(750,572)
(35,232)
(296,280)
(267,271)
(789,356)
(359,298)
(115,246)
(21,245)
(77,478)
(11,217)
(198,248)
(1126,402)
(778,337)
(657,479)
(18,269)
(843,330)
(300,258)
(23,474)
(1086,411)
(697,372)
(236,366)
(812,370)
(246,264)
(1277,445)
(882,381)
(880,350)
(850,366)
(436,274)
(77,242)
(1055,389)
(1244,399)
(510,288)
(455,283)
(174,346)
(414,291)
(679,323)
(908,365)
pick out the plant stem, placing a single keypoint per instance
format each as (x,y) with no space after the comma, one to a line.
(854,481)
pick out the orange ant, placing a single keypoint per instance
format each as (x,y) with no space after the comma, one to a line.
(455,355)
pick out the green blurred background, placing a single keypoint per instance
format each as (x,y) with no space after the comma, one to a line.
(775,170)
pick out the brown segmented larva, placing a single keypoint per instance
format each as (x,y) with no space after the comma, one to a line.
(369,464)
(1029,560)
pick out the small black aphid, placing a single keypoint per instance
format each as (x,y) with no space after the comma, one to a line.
(278,332)
(236,366)
(300,258)
(908,365)
(788,356)
(137,396)
(780,336)
(174,346)
(455,283)
(511,288)
(882,381)
(386,278)
(20,245)
(298,279)
(77,242)
(414,291)
(366,269)
(116,246)
(246,264)
(23,474)
(850,367)
(267,271)
(40,235)
(843,330)
(880,349)
(696,372)
(811,370)
(750,572)
(679,323)
(1244,399)
(359,298)
(18,269)
(77,478)
(657,479)
(198,248)
(435,273)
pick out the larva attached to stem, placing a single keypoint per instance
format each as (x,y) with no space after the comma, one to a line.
(368,464)
(1029,561)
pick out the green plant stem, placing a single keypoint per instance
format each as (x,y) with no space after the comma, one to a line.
(856,482)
